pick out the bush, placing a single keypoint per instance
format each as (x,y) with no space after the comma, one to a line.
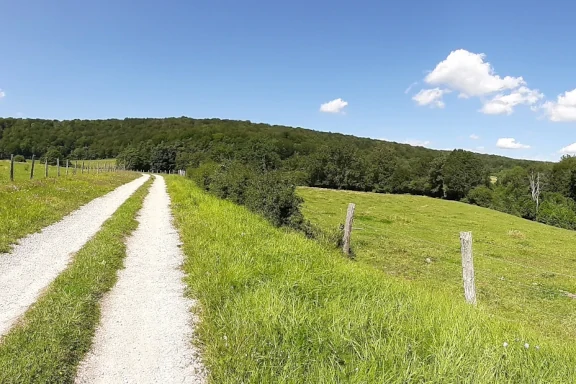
(269,195)
(19,159)
(481,196)
(230,181)
(558,211)
(203,174)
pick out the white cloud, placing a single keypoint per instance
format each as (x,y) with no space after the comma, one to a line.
(2,94)
(504,104)
(334,106)
(471,76)
(563,109)
(431,97)
(480,148)
(411,86)
(417,143)
(568,150)
(474,136)
(510,143)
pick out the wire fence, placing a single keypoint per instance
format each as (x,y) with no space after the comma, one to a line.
(534,286)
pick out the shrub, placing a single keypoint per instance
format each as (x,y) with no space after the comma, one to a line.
(19,159)
(558,211)
(272,197)
(203,174)
(481,196)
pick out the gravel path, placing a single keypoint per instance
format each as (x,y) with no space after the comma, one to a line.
(39,258)
(145,333)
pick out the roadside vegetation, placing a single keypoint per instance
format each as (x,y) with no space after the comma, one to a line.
(278,307)
(56,332)
(525,271)
(30,205)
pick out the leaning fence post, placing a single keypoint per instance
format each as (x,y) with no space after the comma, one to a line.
(32,168)
(348,228)
(58,167)
(46,167)
(468,267)
(11,167)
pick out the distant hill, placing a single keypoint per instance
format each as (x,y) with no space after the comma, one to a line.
(107,138)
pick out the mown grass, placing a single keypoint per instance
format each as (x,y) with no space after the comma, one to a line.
(50,341)
(523,269)
(26,206)
(279,308)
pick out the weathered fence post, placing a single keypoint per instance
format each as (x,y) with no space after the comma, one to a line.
(75,167)
(11,167)
(348,228)
(46,167)
(82,171)
(67,162)
(97,168)
(58,167)
(468,267)
(32,168)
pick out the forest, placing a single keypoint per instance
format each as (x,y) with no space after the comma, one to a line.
(224,155)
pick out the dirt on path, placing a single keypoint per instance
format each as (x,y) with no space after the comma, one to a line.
(146,329)
(39,258)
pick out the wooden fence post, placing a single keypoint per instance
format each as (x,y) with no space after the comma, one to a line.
(58,167)
(468,267)
(75,167)
(67,161)
(11,167)
(82,171)
(46,167)
(348,228)
(32,168)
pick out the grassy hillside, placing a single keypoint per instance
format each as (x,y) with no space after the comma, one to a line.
(279,308)
(523,269)
(26,206)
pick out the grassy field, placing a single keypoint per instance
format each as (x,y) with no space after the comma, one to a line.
(29,205)
(523,269)
(279,308)
(57,331)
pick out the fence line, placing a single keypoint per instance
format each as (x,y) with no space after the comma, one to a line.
(108,168)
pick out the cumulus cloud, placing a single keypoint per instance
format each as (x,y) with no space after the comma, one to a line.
(568,150)
(417,143)
(334,106)
(2,94)
(474,136)
(431,97)
(504,104)
(510,143)
(563,109)
(471,75)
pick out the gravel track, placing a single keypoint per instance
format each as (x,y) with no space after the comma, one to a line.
(39,258)
(146,329)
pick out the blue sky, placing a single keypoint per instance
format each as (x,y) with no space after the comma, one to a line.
(278,62)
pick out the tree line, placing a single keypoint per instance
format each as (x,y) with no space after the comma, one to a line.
(298,156)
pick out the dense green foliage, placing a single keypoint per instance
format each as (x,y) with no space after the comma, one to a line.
(303,157)
(268,193)
(279,308)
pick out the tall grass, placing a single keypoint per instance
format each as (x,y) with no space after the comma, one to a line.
(26,206)
(54,335)
(278,308)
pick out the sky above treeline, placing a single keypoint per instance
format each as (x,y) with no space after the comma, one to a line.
(492,77)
